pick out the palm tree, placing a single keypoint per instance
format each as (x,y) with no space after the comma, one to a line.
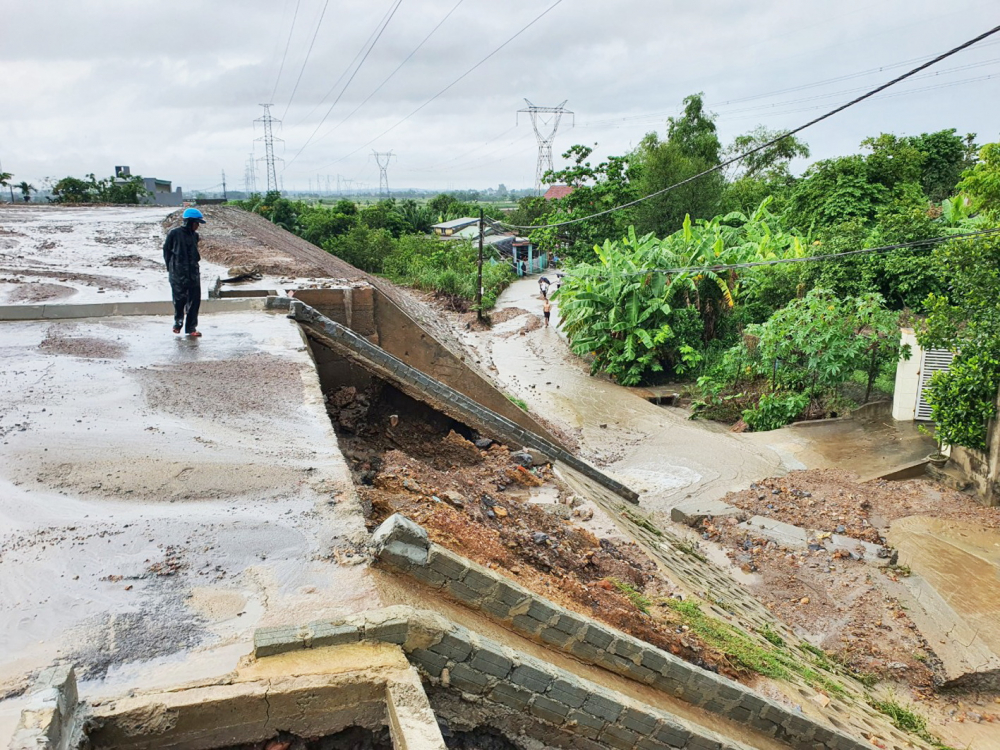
(26,190)
(5,181)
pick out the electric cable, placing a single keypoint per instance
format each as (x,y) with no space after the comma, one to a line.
(450,85)
(335,101)
(350,65)
(768,144)
(807,259)
(285,55)
(306,61)
(882,97)
(393,73)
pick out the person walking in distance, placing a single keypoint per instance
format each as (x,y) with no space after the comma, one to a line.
(547,310)
(180,253)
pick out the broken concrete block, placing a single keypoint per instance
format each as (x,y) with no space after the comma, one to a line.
(787,535)
(537,457)
(398,527)
(693,512)
(522,458)
(403,556)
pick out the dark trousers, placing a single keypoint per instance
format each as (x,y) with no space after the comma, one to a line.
(187,300)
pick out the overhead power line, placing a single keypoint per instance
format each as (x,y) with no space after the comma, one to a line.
(393,73)
(378,36)
(281,67)
(524,28)
(808,259)
(306,61)
(768,144)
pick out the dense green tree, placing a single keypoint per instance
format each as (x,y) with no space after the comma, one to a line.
(982,182)
(691,146)
(946,156)
(596,188)
(966,320)
(770,164)
(362,247)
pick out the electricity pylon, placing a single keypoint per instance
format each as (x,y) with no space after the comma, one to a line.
(545,135)
(383,172)
(269,158)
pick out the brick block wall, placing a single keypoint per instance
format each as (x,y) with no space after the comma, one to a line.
(455,658)
(404,545)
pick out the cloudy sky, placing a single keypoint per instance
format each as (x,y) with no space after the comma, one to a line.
(172,88)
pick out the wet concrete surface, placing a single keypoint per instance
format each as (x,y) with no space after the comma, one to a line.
(654,450)
(85,255)
(961,560)
(82,255)
(162,496)
(864,446)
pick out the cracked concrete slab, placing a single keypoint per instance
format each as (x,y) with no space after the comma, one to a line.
(189,490)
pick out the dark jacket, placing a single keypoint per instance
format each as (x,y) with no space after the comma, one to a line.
(180,253)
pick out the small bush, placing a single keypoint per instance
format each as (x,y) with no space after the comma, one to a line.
(775,410)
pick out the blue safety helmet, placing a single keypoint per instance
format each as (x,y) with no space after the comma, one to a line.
(193,213)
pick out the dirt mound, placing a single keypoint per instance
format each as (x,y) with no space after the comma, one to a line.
(40,292)
(834,501)
(507,313)
(832,597)
(104,282)
(133,261)
(86,347)
(220,390)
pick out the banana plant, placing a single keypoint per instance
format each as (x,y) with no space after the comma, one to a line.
(621,309)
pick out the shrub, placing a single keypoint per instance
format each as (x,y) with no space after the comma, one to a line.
(775,410)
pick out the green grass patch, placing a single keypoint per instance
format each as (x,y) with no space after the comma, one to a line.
(641,522)
(634,595)
(774,661)
(908,720)
(520,403)
(689,549)
(771,636)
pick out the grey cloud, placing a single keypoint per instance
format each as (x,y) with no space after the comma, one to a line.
(173,88)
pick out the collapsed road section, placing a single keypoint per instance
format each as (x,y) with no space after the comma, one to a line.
(174,502)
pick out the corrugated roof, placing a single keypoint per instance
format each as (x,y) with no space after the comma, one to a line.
(456,223)
(556,192)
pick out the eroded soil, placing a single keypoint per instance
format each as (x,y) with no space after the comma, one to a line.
(477,499)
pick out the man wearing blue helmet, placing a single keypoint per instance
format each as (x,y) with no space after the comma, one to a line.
(180,253)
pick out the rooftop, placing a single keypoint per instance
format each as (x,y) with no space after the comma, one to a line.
(556,192)
(456,223)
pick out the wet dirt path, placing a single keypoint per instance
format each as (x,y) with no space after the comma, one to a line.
(656,451)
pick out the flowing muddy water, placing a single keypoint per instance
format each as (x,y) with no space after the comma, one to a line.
(961,560)
(657,451)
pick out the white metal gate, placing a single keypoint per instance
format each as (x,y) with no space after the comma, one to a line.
(931,361)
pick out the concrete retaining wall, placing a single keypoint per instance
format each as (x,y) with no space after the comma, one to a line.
(455,658)
(50,718)
(109,309)
(417,385)
(405,546)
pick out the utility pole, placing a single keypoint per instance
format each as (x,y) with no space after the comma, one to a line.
(545,136)
(224,196)
(479,273)
(269,158)
(383,172)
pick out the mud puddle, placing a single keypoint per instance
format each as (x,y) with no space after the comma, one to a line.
(961,560)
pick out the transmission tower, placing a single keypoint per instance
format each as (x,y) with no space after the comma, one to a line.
(269,158)
(250,176)
(383,171)
(545,132)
